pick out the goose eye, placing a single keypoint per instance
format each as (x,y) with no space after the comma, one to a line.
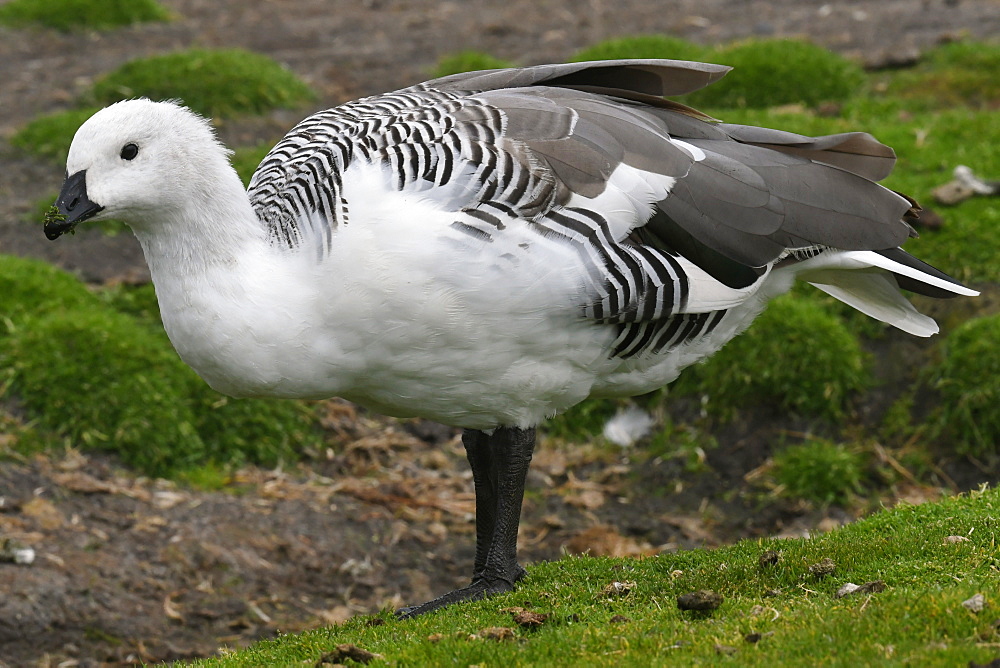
(129,151)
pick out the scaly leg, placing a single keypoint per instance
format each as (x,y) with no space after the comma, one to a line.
(499,464)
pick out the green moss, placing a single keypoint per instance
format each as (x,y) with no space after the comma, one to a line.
(468,61)
(796,356)
(67,15)
(968,379)
(583,422)
(49,136)
(32,286)
(246,160)
(138,301)
(683,442)
(97,371)
(252,431)
(819,471)
(950,75)
(770,73)
(216,83)
(643,46)
(93,377)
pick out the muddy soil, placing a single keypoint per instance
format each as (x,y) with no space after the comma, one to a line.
(128,569)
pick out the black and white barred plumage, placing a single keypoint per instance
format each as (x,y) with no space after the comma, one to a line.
(490,248)
(498,147)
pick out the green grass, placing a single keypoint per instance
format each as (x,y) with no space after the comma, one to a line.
(766,73)
(468,61)
(769,73)
(819,471)
(950,75)
(643,46)
(797,357)
(246,160)
(968,379)
(50,135)
(94,376)
(69,15)
(216,83)
(917,620)
(33,287)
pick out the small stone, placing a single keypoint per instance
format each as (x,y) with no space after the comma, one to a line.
(995,663)
(845,590)
(849,588)
(527,619)
(498,633)
(769,558)
(952,193)
(618,589)
(619,619)
(345,652)
(703,599)
(15,552)
(975,604)
(823,568)
(929,219)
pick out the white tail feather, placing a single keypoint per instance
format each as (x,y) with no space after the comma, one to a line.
(864,259)
(862,280)
(878,296)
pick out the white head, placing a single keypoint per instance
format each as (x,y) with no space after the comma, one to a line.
(139,161)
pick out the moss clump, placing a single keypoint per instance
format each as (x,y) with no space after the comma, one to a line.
(769,73)
(796,356)
(49,136)
(583,422)
(968,379)
(67,15)
(217,83)
(92,376)
(138,301)
(103,381)
(468,61)
(819,471)
(32,286)
(643,46)
(950,75)
(100,378)
(246,160)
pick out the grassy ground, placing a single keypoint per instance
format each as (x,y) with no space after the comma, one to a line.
(770,614)
(917,566)
(826,370)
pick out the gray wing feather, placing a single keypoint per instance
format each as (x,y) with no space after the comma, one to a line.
(536,135)
(657,78)
(750,203)
(855,152)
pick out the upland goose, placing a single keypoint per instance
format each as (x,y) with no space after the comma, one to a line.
(488,249)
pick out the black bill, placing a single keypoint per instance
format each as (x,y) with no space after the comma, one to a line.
(72,206)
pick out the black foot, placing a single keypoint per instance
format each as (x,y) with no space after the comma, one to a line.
(499,467)
(480,588)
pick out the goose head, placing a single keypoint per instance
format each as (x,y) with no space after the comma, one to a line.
(137,161)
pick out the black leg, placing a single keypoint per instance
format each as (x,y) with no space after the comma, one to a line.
(499,467)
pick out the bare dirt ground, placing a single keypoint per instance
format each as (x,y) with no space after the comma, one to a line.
(129,569)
